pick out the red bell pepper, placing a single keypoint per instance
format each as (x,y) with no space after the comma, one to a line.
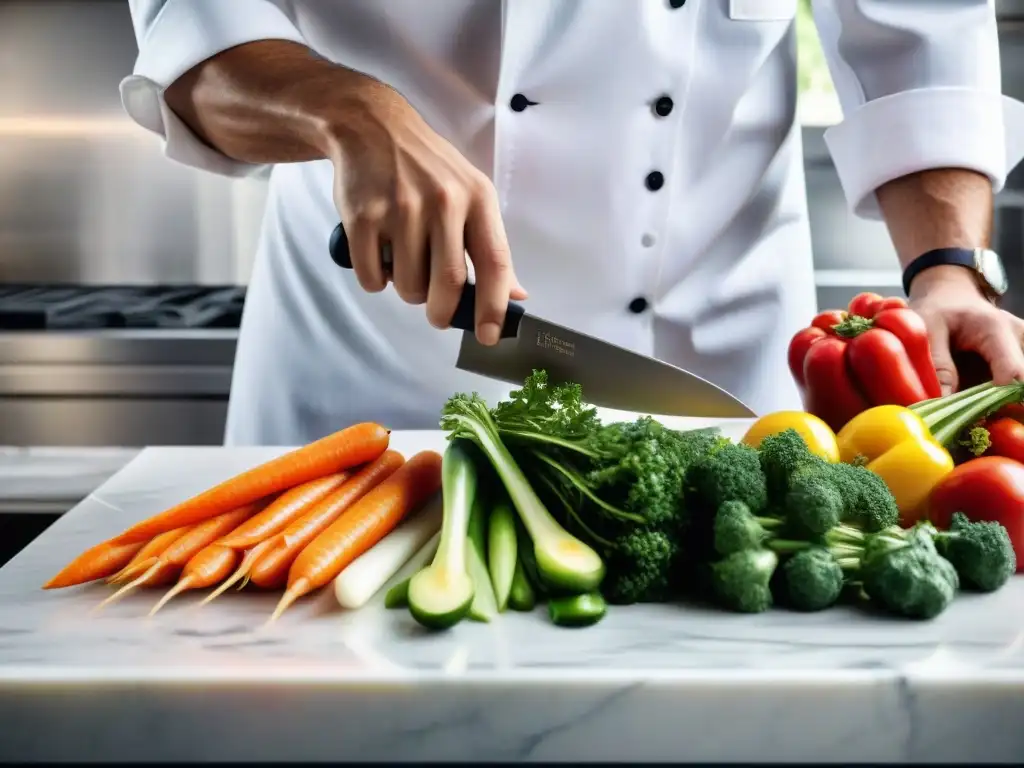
(875,353)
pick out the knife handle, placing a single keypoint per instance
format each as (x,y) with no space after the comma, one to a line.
(465,312)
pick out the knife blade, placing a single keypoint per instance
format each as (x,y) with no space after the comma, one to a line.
(611,376)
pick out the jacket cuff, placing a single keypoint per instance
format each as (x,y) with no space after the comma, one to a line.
(921,130)
(184,34)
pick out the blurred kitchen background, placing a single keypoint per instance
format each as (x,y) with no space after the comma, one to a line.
(122,274)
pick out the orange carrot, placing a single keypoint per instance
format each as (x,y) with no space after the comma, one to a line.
(250,558)
(271,570)
(207,567)
(147,555)
(368,521)
(283,511)
(95,563)
(340,451)
(174,558)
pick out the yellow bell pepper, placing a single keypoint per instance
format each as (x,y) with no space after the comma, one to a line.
(896,444)
(815,432)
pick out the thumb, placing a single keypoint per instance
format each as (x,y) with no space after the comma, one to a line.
(938,340)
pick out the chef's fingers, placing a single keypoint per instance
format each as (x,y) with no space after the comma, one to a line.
(1000,345)
(447,266)
(364,245)
(408,230)
(938,340)
(487,245)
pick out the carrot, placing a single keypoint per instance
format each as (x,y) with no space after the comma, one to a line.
(283,510)
(207,567)
(250,558)
(174,558)
(95,563)
(148,555)
(271,570)
(368,521)
(342,450)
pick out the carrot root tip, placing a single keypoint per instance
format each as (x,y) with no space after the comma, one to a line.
(293,593)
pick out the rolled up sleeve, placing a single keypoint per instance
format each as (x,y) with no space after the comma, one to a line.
(173,37)
(920,86)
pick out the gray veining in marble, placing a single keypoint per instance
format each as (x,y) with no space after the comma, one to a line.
(648,683)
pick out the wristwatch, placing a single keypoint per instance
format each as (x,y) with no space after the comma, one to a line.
(985,264)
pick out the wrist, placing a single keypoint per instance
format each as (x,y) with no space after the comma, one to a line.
(342,109)
(947,277)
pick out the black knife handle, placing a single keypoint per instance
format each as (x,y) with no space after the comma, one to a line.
(465,312)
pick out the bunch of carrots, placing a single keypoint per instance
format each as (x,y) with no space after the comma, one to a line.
(296,522)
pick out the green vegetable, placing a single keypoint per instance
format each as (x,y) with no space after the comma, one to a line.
(811,580)
(521,596)
(818,495)
(742,580)
(618,487)
(398,595)
(981,552)
(904,574)
(577,610)
(440,595)
(562,559)
(502,546)
(484,606)
(728,472)
(525,561)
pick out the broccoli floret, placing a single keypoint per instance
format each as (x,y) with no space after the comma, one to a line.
(638,567)
(904,574)
(814,503)
(867,500)
(728,472)
(812,580)
(981,552)
(737,529)
(742,580)
(782,454)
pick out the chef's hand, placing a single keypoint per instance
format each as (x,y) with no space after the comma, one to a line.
(397,181)
(960,318)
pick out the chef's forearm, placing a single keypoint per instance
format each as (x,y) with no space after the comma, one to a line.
(946,208)
(274,101)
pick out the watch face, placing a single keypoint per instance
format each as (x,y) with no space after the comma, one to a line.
(992,272)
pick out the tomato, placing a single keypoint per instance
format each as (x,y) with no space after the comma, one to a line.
(815,432)
(1013,411)
(991,489)
(1007,436)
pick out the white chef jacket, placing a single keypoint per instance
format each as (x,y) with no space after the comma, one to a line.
(647,160)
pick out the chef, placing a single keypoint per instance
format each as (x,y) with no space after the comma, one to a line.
(630,169)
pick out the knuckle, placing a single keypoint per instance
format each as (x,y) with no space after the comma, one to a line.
(451,276)
(408,205)
(449,195)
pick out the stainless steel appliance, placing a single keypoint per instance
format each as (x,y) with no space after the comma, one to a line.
(116,365)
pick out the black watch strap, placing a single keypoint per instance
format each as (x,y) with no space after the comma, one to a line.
(960,257)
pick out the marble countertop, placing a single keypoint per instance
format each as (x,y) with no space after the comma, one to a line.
(649,683)
(55,479)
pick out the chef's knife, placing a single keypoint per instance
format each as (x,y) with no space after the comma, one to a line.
(611,377)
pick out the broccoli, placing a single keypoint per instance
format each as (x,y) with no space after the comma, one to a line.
(981,552)
(737,529)
(867,500)
(782,455)
(904,574)
(821,494)
(727,472)
(811,580)
(742,580)
(639,567)
(814,503)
